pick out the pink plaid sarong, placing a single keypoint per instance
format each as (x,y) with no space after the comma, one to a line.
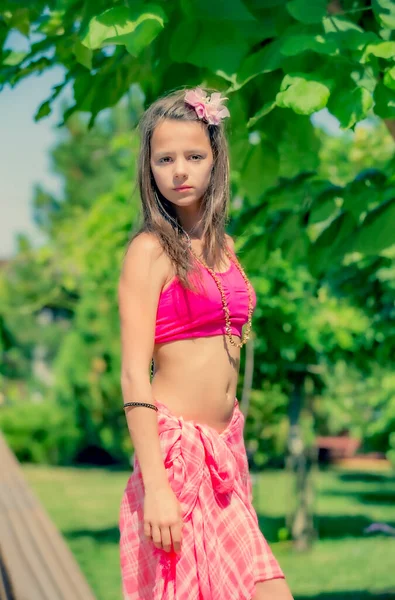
(223,552)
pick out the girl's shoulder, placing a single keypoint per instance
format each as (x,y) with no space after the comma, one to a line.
(145,241)
(145,255)
(230,242)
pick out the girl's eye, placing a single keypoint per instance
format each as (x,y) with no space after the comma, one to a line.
(167,159)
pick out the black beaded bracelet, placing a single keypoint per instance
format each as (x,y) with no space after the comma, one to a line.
(141,404)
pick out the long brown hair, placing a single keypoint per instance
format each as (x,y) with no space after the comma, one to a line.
(163,220)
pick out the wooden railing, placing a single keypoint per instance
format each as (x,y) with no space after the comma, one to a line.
(35,562)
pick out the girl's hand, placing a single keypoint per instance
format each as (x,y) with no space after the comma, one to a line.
(162,517)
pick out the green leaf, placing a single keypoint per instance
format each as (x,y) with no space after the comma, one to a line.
(83,54)
(143,35)
(365,77)
(337,24)
(253,216)
(389,78)
(301,93)
(289,193)
(324,205)
(350,105)
(364,192)
(288,229)
(182,45)
(202,46)
(266,108)
(43,111)
(330,246)
(296,44)
(46,108)
(239,150)
(14,58)
(120,25)
(264,61)
(257,4)
(307,11)
(51,23)
(298,146)
(353,40)
(84,91)
(20,20)
(220,10)
(35,66)
(290,238)
(377,231)
(254,251)
(261,159)
(266,26)
(382,50)
(296,249)
(271,84)
(384,11)
(384,101)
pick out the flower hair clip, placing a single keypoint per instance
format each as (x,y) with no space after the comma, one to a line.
(209,109)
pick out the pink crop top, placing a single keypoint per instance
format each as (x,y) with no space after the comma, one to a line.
(185,314)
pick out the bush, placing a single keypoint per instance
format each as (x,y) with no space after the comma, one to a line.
(39,432)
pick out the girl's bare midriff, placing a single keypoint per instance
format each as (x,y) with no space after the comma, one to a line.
(197,378)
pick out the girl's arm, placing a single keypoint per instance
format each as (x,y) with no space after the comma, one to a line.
(143,275)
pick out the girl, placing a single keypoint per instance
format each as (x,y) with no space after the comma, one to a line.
(188,527)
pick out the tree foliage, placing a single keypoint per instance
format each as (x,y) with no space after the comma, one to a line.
(318,244)
(278,61)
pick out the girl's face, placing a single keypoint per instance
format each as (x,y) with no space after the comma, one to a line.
(181,157)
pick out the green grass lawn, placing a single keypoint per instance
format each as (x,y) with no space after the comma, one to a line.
(344,564)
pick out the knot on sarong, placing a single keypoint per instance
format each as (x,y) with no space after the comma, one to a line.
(192,450)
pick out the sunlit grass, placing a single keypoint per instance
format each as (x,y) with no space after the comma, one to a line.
(344,564)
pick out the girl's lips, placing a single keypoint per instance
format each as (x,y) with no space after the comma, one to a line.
(183,188)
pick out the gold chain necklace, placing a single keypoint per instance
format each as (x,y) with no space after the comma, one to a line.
(228,327)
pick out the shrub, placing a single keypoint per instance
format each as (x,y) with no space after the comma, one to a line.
(39,432)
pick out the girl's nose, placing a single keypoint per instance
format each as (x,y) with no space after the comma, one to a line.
(180,171)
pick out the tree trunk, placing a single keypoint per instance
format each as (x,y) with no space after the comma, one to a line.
(299,465)
(248,375)
(390,126)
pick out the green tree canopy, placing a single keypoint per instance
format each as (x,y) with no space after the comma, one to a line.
(278,61)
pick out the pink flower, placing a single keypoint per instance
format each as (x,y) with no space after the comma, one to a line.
(210,109)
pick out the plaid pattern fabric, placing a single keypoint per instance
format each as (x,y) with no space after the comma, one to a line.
(223,552)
